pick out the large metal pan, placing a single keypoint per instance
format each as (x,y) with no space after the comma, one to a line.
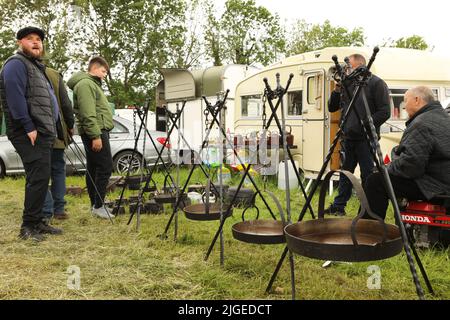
(259,231)
(331,239)
(354,240)
(203,212)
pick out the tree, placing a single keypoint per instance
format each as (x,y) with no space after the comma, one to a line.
(212,36)
(136,38)
(188,49)
(53,16)
(309,37)
(8,14)
(412,42)
(244,34)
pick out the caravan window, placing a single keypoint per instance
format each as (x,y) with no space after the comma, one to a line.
(251,106)
(314,91)
(295,103)
(398,111)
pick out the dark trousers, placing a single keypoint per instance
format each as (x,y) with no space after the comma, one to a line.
(99,166)
(378,197)
(356,152)
(37,164)
(54,201)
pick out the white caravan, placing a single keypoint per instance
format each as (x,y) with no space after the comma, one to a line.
(306,109)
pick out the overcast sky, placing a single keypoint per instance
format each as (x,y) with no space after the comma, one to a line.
(380,19)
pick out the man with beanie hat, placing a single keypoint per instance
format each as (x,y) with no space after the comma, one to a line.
(32,124)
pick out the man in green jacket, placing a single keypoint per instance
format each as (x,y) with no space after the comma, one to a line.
(94,121)
(54,202)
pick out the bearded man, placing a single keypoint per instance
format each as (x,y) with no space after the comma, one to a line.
(32,121)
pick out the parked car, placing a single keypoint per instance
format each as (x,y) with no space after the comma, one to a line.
(122,144)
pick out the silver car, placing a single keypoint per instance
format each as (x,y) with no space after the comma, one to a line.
(122,144)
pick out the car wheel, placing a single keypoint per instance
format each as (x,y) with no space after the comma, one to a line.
(122,162)
(2,169)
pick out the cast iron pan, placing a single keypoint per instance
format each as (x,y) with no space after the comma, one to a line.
(259,231)
(354,240)
(198,212)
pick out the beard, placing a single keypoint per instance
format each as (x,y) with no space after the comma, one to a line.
(31,54)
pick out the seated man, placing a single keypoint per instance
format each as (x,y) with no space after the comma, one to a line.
(421,170)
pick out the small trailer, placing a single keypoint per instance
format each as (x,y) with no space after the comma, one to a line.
(181,85)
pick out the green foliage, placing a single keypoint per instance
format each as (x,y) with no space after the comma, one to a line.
(245,34)
(188,48)
(212,36)
(136,38)
(309,37)
(412,42)
(53,17)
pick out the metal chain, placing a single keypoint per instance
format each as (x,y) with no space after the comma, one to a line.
(264,115)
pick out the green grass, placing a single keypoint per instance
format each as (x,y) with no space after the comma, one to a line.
(117,262)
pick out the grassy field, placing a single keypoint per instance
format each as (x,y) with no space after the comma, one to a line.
(117,262)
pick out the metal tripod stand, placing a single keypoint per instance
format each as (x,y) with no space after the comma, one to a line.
(361,76)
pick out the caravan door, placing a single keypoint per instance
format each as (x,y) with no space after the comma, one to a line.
(314,120)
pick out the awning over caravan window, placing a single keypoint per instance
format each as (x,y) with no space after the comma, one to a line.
(182,84)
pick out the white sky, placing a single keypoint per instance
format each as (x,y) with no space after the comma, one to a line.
(380,19)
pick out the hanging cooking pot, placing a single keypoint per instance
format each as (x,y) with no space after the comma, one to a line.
(238,140)
(289,137)
(245,197)
(167,194)
(152,188)
(151,207)
(206,212)
(199,188)
(134,182)
(259,231)
(346,240)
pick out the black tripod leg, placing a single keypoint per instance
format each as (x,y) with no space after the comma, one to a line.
(391,194)
(277,269)
(419,262)
(208,253)
(129,168)
(319,177)
(178,202)
(277,120)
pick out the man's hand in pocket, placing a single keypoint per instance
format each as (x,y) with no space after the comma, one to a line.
(32,135)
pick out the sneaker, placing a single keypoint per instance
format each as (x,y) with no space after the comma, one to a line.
(27,232)
(334,211)
(43,228)
(61,215)
(102,212)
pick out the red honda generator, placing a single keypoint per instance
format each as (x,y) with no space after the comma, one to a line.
(428,222)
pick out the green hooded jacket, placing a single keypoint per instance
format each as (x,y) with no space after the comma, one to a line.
(92,109)
(65,107)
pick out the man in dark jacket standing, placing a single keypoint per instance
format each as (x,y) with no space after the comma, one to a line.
(421,168)
(355,146)
(32,122)
(94,121)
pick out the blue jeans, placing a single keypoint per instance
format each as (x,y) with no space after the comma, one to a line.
(356,152)
(54,201)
